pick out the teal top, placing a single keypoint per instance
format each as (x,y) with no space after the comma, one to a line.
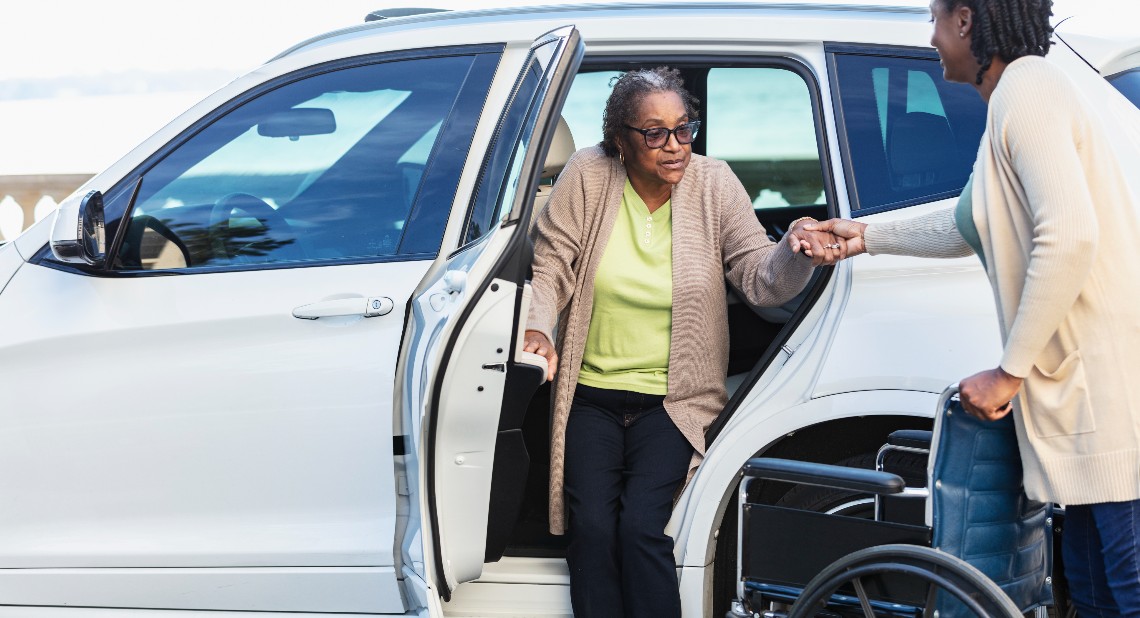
(964,219)
(627,347)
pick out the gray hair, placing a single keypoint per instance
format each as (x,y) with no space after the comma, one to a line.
(628,90)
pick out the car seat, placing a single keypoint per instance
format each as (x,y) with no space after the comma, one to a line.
(561,149)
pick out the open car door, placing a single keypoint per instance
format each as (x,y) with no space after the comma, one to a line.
(465,381)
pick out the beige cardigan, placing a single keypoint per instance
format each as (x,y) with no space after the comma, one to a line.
(715,235)
(1059,228)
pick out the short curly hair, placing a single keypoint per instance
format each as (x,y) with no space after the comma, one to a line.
(628,90)
(1008,29)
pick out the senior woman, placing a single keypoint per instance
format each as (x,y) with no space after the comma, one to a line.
(1047,210)
(630,260)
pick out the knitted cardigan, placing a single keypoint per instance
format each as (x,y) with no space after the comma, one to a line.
(715,236)
(1058,224)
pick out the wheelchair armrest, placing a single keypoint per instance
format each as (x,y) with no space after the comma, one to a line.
(911,438)
(824,475)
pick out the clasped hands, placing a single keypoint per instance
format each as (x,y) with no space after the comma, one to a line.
(826,242)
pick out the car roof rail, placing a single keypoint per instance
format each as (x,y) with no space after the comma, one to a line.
(399,12)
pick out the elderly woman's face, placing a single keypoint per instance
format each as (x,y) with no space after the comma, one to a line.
(664,165)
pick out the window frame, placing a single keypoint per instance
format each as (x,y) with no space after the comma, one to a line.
(131,181)
(831,51)
(699,64)
(521,99)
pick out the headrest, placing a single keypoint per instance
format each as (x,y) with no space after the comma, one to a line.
(561,147)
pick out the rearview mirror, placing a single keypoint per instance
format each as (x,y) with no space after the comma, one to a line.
(77,235)
(297,122)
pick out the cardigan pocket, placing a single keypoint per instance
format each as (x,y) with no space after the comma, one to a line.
(1058,400)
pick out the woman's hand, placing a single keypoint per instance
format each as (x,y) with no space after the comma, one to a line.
(538,343)
(988,395)
(850,233)
(823,247)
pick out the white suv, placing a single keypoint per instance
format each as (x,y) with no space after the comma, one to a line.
(269,361)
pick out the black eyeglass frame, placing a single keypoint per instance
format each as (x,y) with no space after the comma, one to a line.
(694,124)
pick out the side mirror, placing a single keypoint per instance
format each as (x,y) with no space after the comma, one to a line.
(298,122)
(77,237)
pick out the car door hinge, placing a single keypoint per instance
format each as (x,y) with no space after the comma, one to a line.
(789,350)
(402,484)
(500,367)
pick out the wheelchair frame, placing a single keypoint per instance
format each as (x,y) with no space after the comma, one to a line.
(979,541)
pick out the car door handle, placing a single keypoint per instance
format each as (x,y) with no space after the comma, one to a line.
(367,307)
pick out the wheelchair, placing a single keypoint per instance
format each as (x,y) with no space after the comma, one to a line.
(969,543)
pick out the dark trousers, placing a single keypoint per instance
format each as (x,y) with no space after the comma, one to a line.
(625,459)
(1101,544)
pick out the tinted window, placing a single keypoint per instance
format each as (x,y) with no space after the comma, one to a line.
(325,168)
(502,171)
(761,123)
(488,207)
(912,137)
(1129,84)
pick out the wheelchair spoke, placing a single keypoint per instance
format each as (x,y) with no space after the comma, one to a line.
(863,600)
(931,597)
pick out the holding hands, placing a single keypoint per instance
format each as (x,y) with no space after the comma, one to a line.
(986,395)
(826,242)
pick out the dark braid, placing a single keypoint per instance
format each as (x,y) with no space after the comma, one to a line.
(1008,29)
(628,90)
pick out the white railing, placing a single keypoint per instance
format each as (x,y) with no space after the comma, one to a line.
(26,199)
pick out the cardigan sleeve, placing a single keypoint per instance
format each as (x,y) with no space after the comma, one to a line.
(557,237)
(1040,133)
(933,235)
(767,273)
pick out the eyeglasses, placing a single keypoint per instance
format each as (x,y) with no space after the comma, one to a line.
(657,137)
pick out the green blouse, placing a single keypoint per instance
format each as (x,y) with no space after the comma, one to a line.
(964,219)
(627,347)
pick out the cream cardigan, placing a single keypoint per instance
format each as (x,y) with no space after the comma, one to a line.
(715,236)
(1059,227)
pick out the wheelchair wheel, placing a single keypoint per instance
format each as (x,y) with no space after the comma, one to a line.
(929,568)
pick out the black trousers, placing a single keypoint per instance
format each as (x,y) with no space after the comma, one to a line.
(625,459)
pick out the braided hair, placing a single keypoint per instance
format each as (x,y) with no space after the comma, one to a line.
(1008,29)
(628,90)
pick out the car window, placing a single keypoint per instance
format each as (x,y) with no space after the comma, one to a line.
(912,137)
(584,105)
(502,169)
(489,206)
(324,168)
(1128,83)
(760,122)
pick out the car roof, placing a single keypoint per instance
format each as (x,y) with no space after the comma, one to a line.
(1105,35)
(597,9)
(1097,30)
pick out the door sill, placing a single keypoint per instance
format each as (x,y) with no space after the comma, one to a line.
(515,587)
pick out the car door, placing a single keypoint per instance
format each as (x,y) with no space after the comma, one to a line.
(465,378)
(219,436)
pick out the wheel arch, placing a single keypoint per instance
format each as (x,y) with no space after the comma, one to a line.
(825,429)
